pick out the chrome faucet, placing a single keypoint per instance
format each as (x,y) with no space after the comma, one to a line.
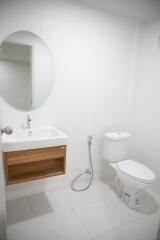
(28,122)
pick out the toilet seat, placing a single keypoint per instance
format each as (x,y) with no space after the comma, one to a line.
(136,171)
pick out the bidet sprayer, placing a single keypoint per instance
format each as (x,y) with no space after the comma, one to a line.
(90,140)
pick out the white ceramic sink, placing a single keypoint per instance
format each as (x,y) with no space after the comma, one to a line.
(32,139)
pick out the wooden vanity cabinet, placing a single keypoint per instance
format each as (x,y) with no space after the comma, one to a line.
(29,165)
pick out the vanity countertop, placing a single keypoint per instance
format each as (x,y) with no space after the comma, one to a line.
(32,139)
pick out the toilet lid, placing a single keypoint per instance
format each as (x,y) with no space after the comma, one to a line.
(116,136)
(136,171)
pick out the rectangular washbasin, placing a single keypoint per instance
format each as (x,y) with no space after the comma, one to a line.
(31,139)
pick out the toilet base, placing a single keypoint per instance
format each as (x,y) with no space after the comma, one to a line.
(131,198)
(128,189)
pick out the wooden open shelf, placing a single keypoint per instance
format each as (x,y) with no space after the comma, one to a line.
(29,165)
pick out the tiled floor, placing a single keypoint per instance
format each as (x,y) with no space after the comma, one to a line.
(96,214)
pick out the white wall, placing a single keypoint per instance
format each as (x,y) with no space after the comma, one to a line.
(138,10)
(145,124)
(2,195)
(3,199)
(92,53)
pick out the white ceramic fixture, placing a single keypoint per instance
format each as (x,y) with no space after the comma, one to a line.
(132,174)
(32,139)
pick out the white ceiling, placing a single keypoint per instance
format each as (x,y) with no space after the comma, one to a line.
(141,10)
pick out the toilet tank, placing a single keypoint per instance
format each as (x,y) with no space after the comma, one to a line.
(116,146)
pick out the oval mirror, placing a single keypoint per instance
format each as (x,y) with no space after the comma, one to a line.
(26,71)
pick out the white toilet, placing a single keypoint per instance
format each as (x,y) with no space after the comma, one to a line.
(132,174)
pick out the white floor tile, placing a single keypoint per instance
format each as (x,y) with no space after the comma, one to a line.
(97,218)
(40,205)
(67,215)
(48,202)
(60,225)
(120,233)
(146,227)
(100,216)
(97,192)
(18,210)
(58,199)
(67,226)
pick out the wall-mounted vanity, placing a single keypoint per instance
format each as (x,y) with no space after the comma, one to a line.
(26,80)
(29,165)
(30,156)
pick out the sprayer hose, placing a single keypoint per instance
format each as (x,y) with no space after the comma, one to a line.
(84,173)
